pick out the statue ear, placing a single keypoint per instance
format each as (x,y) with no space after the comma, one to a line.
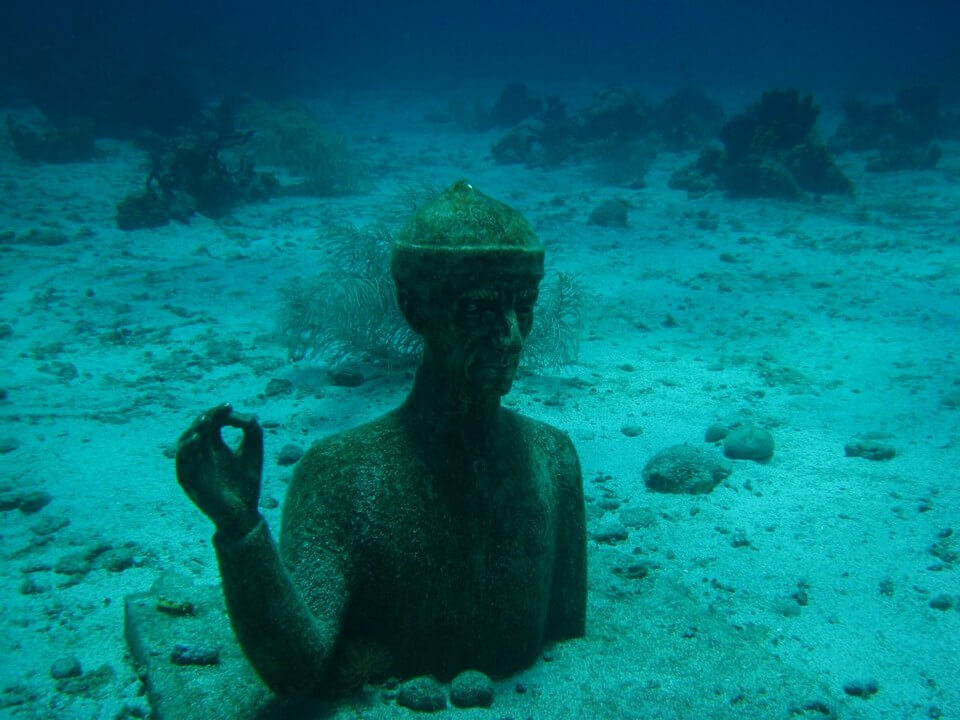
(412,308)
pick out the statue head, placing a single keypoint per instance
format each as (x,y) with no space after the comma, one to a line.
(467,270)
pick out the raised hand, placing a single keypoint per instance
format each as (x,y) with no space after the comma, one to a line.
(223,483)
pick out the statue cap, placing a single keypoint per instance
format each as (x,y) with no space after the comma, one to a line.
(462,231)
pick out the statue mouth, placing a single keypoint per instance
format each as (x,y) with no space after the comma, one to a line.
(494,367)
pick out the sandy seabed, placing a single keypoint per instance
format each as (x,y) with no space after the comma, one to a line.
(819,321)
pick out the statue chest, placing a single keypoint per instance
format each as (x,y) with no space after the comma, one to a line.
(463,567)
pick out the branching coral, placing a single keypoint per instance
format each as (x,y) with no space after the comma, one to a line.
(292,137)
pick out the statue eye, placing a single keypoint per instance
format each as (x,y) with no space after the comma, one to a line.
(524,305)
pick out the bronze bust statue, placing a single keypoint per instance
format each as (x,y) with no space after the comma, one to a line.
(446,535)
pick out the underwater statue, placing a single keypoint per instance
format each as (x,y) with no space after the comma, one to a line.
(446,535)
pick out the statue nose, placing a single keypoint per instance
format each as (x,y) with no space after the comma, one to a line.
(509,332)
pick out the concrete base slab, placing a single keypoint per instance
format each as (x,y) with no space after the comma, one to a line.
(177,613)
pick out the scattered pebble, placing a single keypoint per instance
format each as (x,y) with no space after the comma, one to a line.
(115,559)
(748,442)
(43,236)
(812,709)
(289,454)
(861,688)
(278,386)
(951,399)
(635,571)
(638,517)
(90,684)
(684,469)
(195,654)
(631,430)
(471,688)
(49,524)
(346,378)
(611,213)
(175,606)
(75,563)
(423,694)
(30,586)
(787,607)
(942,602)
(869,449)
(65,667)
(8,445)
(610,531)
(715,433)
(34,501)
(10,500)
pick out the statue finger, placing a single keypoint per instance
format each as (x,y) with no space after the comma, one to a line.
(206,425)
(251,447)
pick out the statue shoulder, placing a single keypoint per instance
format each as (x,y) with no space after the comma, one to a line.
(551,440)
(331,466)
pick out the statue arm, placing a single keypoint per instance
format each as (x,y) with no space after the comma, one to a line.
(568,602)
(287,643)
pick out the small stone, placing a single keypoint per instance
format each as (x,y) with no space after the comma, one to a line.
(635,571)
(49,525)
(65,370)
(8,445)
(637,517)
(133,710)
(65,667)
(861,688)
(16,694)
(278,386)
(611,213)
(10,500)
(684,469)
(346,378)
(869,449)
(942,602)
(289,454)
(76,563)
(787,607)
(715,433)
(177,607)
(30,586)
(471,688)
(87,684)
(34,501)
(43,236)
(951,400)
(423,694)
(6,331)
(631,430)
(610,531)
(198,654)
(748,442)
(115,559)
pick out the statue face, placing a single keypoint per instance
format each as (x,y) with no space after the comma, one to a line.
(478,337)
